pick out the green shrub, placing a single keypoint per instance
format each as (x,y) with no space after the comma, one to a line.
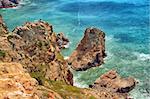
(2,53)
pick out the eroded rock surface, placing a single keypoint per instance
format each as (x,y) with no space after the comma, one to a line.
(15,83)
(112,81)
(90,51)
(34,45)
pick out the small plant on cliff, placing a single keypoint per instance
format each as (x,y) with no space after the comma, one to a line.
(2,54)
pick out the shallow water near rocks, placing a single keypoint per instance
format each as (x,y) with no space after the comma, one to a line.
(125,22)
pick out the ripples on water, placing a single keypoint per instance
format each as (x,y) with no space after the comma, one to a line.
(125,22)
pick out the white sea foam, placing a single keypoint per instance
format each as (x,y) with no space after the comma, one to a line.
(67,46)
(142,56)
(109,38)
(66,57)
(77,83)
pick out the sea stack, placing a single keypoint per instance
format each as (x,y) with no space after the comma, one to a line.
(90,51)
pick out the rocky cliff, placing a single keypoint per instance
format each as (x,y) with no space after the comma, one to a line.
(90,51)
(35,46)
(15,83)
(32,67)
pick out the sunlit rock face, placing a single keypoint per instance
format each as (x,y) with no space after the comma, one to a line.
(90,51)
(15,83)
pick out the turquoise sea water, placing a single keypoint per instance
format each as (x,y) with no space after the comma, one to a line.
(125,22)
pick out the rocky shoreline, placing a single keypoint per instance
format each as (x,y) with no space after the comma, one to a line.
(8,3)
(32,67)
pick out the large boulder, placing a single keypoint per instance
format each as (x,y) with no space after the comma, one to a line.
(90,51)
(112,81)
(34,45)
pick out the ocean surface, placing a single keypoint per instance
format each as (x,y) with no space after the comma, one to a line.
(125,22)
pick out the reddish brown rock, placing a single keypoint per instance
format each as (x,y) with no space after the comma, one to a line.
(112,81)
(90,51)
(15,83)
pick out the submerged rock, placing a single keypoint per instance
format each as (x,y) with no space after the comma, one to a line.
(90,51)
(112,81)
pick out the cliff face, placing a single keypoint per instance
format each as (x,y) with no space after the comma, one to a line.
(90,51)
(35,46)
(15,83)
(3,28)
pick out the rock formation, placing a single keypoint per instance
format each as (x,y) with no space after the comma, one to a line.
(34,45)
(90,51)
(8,3)
(33,50)
(111,80)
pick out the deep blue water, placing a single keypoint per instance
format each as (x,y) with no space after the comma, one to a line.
(125,22)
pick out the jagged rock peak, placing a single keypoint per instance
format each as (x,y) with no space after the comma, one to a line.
(90,51)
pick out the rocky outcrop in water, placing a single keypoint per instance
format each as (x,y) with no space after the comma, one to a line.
(8,3)
(34,45)
(90,51)
(111,80)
